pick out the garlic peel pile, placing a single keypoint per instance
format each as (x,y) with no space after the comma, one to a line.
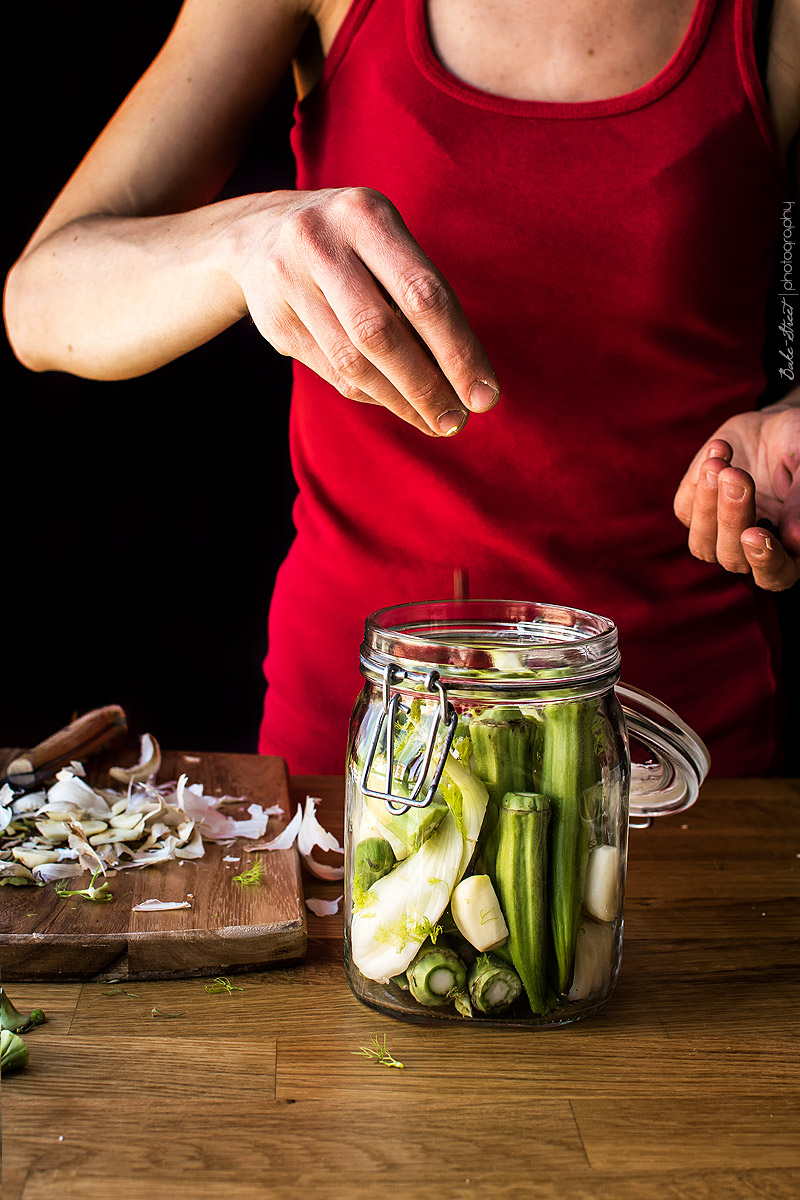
(71,827)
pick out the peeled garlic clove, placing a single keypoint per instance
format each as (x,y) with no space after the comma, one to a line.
(53,831)
(594,949)
(90,827)
(601,890)
(477,913)
(34,858)
(125,821)
(149,763)
(110,836)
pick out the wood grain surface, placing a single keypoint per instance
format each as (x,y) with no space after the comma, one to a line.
(229,927)
(684,1087)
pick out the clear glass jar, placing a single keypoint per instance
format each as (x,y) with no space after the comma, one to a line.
(489,787)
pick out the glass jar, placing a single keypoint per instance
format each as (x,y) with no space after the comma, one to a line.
(489,786)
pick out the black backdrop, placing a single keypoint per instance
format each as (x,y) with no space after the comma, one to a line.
(144,521)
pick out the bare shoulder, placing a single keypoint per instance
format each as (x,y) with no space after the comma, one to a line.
(328,16)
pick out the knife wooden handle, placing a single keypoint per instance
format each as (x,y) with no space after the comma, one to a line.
(83,736)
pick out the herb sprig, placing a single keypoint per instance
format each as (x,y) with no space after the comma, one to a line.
(377,1052)
(222,984)
(91,892)
(252,876)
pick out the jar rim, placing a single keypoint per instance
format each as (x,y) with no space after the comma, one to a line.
(492,639)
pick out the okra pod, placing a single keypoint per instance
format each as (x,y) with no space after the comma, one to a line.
(570,770)
(521,868)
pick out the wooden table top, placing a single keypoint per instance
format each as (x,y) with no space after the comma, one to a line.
(685,1085)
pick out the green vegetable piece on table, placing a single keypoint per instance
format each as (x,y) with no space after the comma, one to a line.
(437,975)
(522,886)
(222,984)
(570,769)
(253,876)
(100,894)
(493,984)
(14,1054)
(13,1020)
(378,1053)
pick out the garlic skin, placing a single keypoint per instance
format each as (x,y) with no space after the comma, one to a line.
(148,766)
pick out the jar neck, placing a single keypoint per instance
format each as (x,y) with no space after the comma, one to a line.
(491,648)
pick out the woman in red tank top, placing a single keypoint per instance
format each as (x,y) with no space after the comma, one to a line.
(620,295)
(612,260)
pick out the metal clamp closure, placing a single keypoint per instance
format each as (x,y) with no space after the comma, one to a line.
(446,715)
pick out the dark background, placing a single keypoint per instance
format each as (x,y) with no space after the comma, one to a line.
(144,521)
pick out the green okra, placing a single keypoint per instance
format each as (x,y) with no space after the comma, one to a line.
(521,868)
(503,744)
(570,772)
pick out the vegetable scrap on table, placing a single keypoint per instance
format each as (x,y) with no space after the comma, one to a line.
(377,1052)
(14,1052)
(60,832)
(323,908)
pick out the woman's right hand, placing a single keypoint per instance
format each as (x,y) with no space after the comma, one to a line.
(334,279)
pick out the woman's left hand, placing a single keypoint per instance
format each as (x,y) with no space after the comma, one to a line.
(747,472)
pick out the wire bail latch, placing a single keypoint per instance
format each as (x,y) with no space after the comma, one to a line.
(446,716)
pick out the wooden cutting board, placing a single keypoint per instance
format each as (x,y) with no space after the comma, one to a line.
(229,927)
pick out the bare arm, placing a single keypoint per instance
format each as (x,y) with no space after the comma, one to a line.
(134,265)
(129,268)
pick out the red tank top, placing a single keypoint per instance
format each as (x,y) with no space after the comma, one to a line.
(614,257)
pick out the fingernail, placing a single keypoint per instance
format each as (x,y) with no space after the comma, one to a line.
(733,491)
(712,478)
(450,422)
(482,396)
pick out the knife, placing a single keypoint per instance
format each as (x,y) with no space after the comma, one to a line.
(82,737)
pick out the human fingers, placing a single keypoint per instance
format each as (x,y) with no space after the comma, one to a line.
(774,569)
(736,511)
(684,496)
(703,516)
(387,249)
(296,341)
(369,346)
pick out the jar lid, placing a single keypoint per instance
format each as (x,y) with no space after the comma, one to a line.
(510,648)
(482,647)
